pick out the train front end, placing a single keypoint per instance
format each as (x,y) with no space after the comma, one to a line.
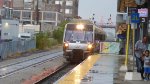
(78,41)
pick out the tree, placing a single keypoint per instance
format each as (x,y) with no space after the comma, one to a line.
(58,34)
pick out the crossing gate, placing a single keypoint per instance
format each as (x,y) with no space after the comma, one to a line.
(109,47)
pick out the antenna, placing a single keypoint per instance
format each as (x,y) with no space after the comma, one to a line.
(110,21)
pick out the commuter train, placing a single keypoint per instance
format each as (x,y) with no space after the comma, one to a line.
(81,38)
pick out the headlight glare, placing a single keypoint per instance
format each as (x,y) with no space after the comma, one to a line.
(89,46)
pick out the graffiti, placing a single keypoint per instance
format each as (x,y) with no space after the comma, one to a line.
(109,47)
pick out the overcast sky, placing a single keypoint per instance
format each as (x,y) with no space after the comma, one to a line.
(101,9)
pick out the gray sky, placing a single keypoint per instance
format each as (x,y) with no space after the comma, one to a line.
(101,9)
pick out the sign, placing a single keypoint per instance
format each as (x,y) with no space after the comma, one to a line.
(135,18)
(132,10)
(109,47)
(143,12)
(142,20)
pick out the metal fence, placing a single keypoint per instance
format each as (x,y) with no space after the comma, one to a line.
(12,47)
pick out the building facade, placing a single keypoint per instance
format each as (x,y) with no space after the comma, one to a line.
(34,11)
(67,7)
(135,6)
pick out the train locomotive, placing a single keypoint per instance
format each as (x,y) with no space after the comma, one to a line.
(81,38)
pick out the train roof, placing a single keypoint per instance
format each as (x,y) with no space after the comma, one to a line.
(81,21)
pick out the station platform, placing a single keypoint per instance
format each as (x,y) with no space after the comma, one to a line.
(96,69)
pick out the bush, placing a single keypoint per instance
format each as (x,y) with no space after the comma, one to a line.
(58,34)
(52,42)
(43,41)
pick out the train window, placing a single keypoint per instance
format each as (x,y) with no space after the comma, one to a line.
(78,35)
(68,35)
(89,27)
(71,27)
(99,37)
(88,36)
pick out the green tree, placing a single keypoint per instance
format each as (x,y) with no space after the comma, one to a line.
(43,41)
(58,34)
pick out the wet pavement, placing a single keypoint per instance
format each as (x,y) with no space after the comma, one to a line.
(120,77)
(103,71)
(96,69)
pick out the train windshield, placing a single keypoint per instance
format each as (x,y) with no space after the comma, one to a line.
(73,34)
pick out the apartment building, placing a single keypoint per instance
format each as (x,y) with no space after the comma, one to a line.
(49,11)
(68,7)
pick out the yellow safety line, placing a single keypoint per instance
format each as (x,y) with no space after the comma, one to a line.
(77,74)
(127,45)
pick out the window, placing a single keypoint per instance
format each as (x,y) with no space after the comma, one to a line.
(27,4)
(49,16)
(68,11)
(26,15)
(69,3)
(49,1)
(58,2)
(16,14)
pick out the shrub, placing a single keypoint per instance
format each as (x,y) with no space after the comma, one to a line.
(58,34)
(43,41)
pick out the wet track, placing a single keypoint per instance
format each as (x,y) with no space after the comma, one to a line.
(13,68)
(58,74)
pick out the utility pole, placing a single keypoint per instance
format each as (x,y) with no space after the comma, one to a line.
(37,12)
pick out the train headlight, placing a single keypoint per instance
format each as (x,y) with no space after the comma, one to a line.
(66,44)
(80,26)
(90,46)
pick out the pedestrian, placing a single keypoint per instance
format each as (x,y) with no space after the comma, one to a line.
(140,47)
(146,59)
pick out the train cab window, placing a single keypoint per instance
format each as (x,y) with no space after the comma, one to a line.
(71,27)
(89,27)
(68,35)
(74,34)
(89,36)
(78,35)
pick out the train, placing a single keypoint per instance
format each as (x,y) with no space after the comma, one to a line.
(81,39)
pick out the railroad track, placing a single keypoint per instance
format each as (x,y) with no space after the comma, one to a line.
(57,74)
(15,67)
